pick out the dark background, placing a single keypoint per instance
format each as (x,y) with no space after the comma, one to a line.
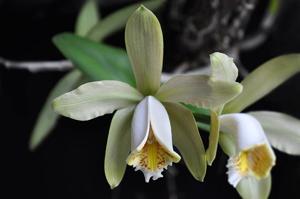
(70,162)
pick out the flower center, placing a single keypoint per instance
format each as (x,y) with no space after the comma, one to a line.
(256,160)
(151,159)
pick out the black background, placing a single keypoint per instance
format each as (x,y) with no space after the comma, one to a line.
(70,162)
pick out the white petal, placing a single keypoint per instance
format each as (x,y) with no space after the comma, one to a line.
(140,125)
(245,129)
(160,123)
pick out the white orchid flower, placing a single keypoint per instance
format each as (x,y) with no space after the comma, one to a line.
(253,155)
(150,117)
(247,137)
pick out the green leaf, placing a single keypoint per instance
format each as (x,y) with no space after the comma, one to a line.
(250,188)
(200,114)
(283,131)
(263,80)
(117,20)
(118,146)
(97,61)
(87,18)
(213,138)
(187,139)
(223,67)
(144,45)
(47,117)
(198,90)
(95,99)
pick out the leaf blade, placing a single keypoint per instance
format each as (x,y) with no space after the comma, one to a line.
(87,18)
(47,117)
(97,61)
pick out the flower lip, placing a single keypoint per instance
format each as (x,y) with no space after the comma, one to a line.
(151,148)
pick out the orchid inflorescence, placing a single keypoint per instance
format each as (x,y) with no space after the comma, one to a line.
(154,116)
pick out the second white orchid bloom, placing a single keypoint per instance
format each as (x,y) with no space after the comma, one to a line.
(253,155)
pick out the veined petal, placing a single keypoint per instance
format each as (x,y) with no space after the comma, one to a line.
(213,138)
(187,139)
(282,130)
(96,99)
(198,90)
(253,156)
(144,45)
(223,67)
(118,146)
(151,147)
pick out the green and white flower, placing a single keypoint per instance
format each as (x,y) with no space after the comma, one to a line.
(253,155)
(247,137)
(149,119)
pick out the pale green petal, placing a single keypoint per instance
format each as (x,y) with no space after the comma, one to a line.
(223,67)
(213,138)
(95,99)
(227,144)
(198,90)
(263,80)
(187,139)
(251,188)
(118,146)
(87,18)
(116,21)
(144,44)
(47,117)
(283,131)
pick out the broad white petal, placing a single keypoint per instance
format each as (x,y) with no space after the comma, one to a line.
(140,125)
(160,123)
(245,129)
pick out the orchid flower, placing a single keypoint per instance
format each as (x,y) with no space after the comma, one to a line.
(247,137)
(148,118)
(253,155)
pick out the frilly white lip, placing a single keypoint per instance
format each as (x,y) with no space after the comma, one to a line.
(151,139)
(254,155)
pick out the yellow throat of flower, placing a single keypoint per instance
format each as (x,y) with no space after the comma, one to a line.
(152,158)
(256,161)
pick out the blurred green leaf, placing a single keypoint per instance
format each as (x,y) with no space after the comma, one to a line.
(282,130)
(98,61)
(263,80)
(47,117)
(200,114)
(87,18)
(117,20)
